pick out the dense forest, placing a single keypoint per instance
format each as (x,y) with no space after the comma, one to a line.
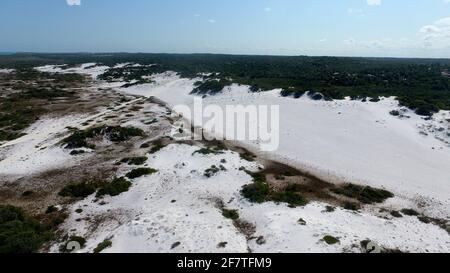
(420,84)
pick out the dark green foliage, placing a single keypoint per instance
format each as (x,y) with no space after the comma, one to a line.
(207,151)
(330,240)
(289,197)
(135,160)
(116,187)
(79,190)
(410,212)
(20,233)
(364,194)
(79,139)
(213,170)
(258,191)
(396,214)
(210,87)
(352,206)
(330,209)
(230,214)
(246,155)
(102,246)
(140,172)
(157,146)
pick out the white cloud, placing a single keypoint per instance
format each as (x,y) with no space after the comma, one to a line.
(73,2)
(436,35)
(268,9)
(212,21)
(373,2)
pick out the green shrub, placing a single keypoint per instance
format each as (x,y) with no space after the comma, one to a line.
(230,214)
(410,212)
(79,139)
(102,246)
(289,197)
(116,187)
(213,170)
(140,172)
(135,160)
(158,146)
(352,206)
(79,190)
(258,191)
(207,151)
(366,195)
(396,214)
(20,233)
(330,240)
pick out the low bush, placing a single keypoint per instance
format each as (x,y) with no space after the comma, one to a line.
(230,214)
(20,233)
(102,246)
(116,187)
(366,195)
(330,240)
(410,212)
(134,160)
(352,206)
(291,198)
(140,172)
(79,190)
(79,139)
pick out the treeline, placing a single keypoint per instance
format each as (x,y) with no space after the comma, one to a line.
(418,83)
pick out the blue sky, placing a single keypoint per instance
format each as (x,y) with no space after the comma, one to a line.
(398,28)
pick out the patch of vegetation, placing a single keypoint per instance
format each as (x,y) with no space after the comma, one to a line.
(210,172)
(291,198)
(364,194)
(230,214)
(79,139)
(134,160)
(210,86)
(157,146)
(330,209)
(140,172)
(102,246)
(330,240)
(207,151)
(79,190)
(20,233)
(258,191)
(396,214)
(410,212)
(246,155)
(116,187)
(352,206)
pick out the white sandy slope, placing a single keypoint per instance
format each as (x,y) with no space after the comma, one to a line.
(362,144)
(91,69)
(342,140)
(38,150)
(178,204)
